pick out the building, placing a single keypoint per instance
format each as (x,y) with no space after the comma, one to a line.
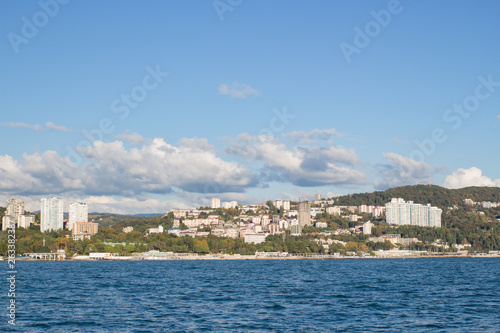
(333,210)
(51,214)
(128,229)
(367,228)
(317,196)
(82,230)
(214,203)
(304,213)
(295,230)
(78,212)
(282,205)
(321,225)
(25,220)
(178,213)
(487,204)
(399,212)
(158,230)
(255,238)
(8,222)
(274,228)
(15,208)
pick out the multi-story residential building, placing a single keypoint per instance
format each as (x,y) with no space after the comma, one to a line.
(487,204)
(399,212)
(158,230)
(128,229)
(255,238)
(377,211)
(469,202)
(78,212)
(51,214)
(15,207)
(321,225)
(333,210)
(274,228)
(8,221)
(82,230)
(367,228)
(278,204)
(264,221)
(282,205)
(295,230)
(304,213)
(25,220)
(214,203)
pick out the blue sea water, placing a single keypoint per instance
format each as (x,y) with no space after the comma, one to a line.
(390,295)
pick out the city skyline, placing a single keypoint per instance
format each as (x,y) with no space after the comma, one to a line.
(142,109)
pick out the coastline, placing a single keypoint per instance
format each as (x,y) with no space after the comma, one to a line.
(254,257)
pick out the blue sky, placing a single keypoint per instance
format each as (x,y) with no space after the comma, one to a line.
(262,100)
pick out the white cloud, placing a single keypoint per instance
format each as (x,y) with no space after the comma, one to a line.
(107,204)
(55,127)
(133,138)
(401,171)
(498,117)
(38,173)
(300,165)
(24,125)
(469,177)
(237,90)
(312,136)
(111,169)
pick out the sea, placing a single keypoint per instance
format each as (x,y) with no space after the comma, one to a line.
(340,295)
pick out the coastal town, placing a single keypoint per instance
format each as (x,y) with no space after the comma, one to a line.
(336,231)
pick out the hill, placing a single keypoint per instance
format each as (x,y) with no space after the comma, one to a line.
(423,194)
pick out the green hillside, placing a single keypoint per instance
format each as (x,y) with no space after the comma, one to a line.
(423,194)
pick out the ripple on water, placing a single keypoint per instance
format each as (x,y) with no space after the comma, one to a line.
(262,296)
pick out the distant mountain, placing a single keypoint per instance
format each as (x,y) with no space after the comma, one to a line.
(129,215)
(423,194)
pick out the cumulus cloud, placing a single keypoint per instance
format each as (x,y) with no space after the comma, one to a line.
(23,125)
(300,165)
(133,138)
(312,136)
(38,173)
(237,90)
(55,127)
(107,204)
(469,177)
(401,171)
(111,169)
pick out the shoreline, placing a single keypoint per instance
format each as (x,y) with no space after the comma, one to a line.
(253,257)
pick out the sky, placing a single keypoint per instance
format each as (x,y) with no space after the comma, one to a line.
(144,106)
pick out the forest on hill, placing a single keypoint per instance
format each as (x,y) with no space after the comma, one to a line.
(423,194)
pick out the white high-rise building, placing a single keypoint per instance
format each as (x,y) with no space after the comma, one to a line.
(282,204)
(214,203)
(399,212)
(25,220)
(15,208)
(51,214)
(78,212)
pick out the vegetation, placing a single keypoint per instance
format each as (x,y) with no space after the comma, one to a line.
(463,225)
(433,194)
